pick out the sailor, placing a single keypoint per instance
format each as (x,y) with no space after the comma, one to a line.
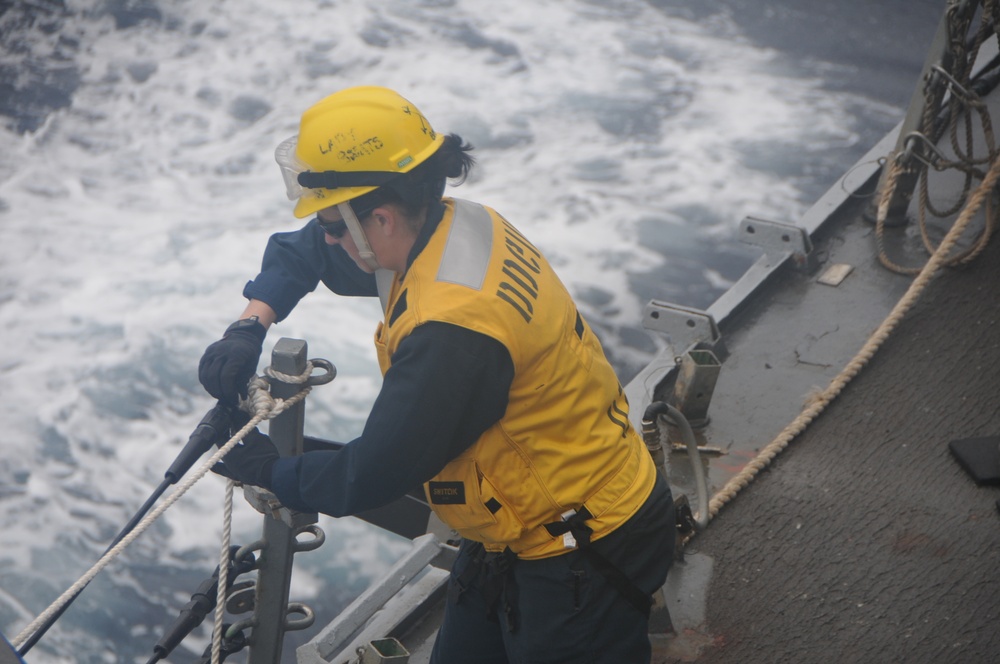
(496,397)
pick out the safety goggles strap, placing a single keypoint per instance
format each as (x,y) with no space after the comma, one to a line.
(358,235)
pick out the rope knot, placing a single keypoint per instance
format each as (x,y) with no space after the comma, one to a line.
(259,401)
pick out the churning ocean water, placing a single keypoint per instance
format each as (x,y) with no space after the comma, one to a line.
(137,191)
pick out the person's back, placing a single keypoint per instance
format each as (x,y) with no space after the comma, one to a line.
(565,441)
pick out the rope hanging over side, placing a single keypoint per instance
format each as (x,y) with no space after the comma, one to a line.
(264,407)
(819,403)
(223,579)
(963,108)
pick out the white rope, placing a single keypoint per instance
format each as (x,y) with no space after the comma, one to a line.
(223,576)
(264,407)
(290,378)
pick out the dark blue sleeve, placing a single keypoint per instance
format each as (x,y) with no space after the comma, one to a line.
(447,385)
(294,263)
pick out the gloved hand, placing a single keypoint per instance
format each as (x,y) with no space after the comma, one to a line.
(251,460)
(228,364)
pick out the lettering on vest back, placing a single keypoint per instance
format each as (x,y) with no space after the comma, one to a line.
(619,413)
(447,493)
(520,289)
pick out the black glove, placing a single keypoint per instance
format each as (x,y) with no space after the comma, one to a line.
(251,460)
(228,364)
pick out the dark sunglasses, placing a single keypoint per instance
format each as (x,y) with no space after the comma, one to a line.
(334,229)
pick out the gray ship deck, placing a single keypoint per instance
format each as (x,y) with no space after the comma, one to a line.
(865,541)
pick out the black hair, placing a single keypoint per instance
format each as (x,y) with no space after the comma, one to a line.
(415,190)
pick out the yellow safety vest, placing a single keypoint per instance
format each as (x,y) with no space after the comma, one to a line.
(565,441)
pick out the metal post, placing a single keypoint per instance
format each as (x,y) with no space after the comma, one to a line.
(699,372)
(275,565)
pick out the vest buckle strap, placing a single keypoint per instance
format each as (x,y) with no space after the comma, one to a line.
(574,526)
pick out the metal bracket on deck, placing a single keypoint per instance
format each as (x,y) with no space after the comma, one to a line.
(683,326)
(697,374)
(778,240)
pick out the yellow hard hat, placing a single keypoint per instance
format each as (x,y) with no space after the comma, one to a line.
(351,143)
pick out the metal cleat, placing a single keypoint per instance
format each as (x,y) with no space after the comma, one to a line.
(778,240)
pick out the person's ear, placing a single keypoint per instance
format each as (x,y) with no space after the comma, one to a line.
(386,219)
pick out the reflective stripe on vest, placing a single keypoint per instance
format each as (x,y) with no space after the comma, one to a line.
(467,251)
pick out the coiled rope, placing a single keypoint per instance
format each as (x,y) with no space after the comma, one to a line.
(818,402)
(965,103)
(263,406)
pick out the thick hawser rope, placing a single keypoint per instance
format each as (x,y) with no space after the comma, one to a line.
(265,407)
(818,402)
